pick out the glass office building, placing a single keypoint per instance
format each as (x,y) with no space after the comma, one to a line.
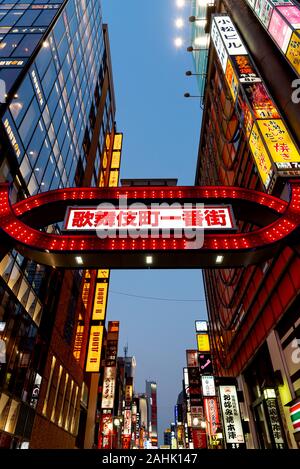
(56,130)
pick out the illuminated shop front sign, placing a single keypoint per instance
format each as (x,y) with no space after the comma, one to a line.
(231,416)
(273,149)
(205,363)
(192,358)
(208,386)
(295,416)
(100,301)
(127,423)
(201,326)
(203,343)
(109,384)
(144,219)
(226,39)
(275,423)
(105,431)
(94,349)
(212,415)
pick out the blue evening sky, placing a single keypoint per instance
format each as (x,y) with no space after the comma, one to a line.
(161,135)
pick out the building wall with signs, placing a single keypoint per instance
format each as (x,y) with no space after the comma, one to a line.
(249,138)
(55,125)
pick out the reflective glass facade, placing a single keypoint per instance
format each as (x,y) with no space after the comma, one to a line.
(56,129)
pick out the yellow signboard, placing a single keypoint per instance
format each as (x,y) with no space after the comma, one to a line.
(260,155)
(118,141)
(203,343)
(279,141)
(116,159)
(103,273)
(100,301)
(94,349)
(293,52)
(114,178)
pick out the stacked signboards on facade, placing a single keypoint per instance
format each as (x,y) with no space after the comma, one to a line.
(209,392)
(281,19)
(196,436)
(90,329)
(272,146)
(127,427)
(106,427)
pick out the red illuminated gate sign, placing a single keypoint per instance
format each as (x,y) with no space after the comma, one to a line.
(148,219)
(203,209)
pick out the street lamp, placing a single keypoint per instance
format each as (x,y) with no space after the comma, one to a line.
(189,74)
(188,95)
(192,19)
(193,49)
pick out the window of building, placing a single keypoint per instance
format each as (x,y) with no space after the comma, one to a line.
(28,18)
(49,79)
(68,405)
(45,18)
(9,44)
(42,60)
(35,144)
(49,385)
(29,122)
(27,45)
(56,394)
(11,18)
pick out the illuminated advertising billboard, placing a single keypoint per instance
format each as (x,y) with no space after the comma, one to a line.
(194,382)
(281,19)
(109,384)
(231,415)
(203,343)
(127,423)
(272,146)
(105,432)
(205,363)
(280,31)
(201,326)
(199,438)
(100,301)
(212,415)
(128,392)
(208,386)
(94,349)
(192,358)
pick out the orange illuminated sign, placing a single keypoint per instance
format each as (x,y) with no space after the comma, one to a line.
(232,80)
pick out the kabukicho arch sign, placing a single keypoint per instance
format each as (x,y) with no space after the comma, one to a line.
(157,227)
